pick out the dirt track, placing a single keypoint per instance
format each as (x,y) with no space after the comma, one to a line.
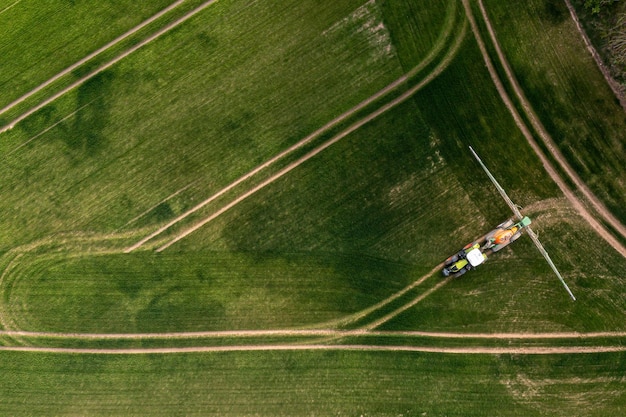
(535,350)
(391,87)
(569,194)
(230,334)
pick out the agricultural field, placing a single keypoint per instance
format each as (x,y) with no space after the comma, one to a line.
(242,208)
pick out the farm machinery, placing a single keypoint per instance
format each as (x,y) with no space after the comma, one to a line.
(475,253)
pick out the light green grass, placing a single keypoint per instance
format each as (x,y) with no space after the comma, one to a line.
(39,40)
(306,383)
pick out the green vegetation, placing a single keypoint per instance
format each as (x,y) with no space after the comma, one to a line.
(321,383)
(569,94)
(348,239)
(144,293)
(40,40)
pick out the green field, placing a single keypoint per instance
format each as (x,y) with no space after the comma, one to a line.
(245,216)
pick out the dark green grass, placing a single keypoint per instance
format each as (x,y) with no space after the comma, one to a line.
(377,192)
(568,92)
(306,383)
(39,40)
(195,291)
(515,291)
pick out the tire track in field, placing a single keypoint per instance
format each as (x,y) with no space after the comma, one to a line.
(531,350)
(405,307)
(383,109)
(10,6)
(545,136)
(576,203)
(364,313)
(91,55)
(391,87)
(109,64)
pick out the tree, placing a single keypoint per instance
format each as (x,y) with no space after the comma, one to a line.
(596,5)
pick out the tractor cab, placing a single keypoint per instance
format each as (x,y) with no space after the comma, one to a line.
(470,257)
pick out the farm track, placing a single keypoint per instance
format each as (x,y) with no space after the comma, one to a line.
(574,200)
(534,350)
(107,65)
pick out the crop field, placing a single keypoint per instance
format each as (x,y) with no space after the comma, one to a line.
(237,207)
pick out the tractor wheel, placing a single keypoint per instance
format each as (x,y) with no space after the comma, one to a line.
(506,224)
(452,259)
(498,247)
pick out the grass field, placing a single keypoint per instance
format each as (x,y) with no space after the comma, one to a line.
(247,215)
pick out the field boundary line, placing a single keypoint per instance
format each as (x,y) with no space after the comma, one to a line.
(600,208)
(109,64)
(383,109)
(529,350)
(614,85)
(314,332)
(92,55)
(381,93)
(582,211)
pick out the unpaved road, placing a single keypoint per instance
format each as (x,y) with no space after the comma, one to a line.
(233,334)
(569,194)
